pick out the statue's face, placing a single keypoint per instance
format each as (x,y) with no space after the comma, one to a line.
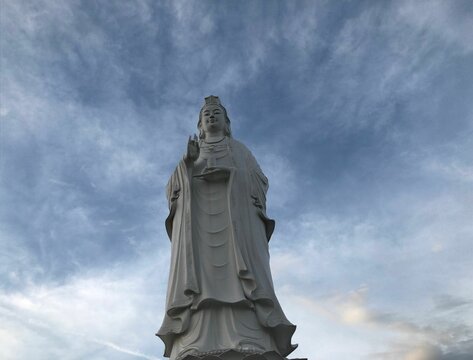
(213,119)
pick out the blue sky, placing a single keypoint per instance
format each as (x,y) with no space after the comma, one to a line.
(359,112)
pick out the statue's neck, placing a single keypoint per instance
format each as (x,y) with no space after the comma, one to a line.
(214,138)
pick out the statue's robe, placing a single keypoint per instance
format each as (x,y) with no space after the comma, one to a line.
(220,291)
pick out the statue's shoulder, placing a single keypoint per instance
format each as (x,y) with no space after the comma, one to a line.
(243,152)
(239,146)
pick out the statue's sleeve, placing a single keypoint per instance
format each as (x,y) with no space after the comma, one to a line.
(173,189)
(259,188)
(259,183)
(173,192)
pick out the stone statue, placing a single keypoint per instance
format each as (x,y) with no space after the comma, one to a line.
(220,297)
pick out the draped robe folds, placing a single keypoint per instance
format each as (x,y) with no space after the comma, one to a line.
(220,290)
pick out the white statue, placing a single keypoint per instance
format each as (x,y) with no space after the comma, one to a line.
(220,293)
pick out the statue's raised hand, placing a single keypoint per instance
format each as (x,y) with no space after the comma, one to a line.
(193,149)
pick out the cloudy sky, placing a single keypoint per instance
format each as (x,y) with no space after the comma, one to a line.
(359,112)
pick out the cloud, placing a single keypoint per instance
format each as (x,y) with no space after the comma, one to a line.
(451,24)
(111,309)
(324,255)
(402,338)
(449,302)
(357,112)
(423,351)
(376,61)
(126,351)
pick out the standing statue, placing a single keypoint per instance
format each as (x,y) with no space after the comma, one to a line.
(220,297)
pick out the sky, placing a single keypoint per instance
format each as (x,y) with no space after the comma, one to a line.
(359,112)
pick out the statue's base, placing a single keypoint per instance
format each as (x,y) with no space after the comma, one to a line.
(235,355)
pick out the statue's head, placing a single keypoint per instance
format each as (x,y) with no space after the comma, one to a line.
(213,117)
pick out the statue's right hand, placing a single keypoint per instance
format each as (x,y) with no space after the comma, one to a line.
(193,149)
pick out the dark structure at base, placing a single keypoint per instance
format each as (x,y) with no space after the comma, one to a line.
(235,355)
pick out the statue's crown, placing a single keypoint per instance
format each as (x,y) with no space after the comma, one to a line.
(212,100)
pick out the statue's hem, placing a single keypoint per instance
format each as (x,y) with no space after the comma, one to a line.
(232,354)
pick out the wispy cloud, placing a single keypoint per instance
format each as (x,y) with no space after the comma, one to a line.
(358,112)
(402,338)
(121,349)
(387,258)
(105,309)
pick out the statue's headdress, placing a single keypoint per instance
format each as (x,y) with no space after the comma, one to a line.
(212,100)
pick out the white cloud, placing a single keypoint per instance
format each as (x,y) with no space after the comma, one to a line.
(439,17)
(369,280)
(424,352)
(399,261)
(118,309)
(367,332)
(121,349)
